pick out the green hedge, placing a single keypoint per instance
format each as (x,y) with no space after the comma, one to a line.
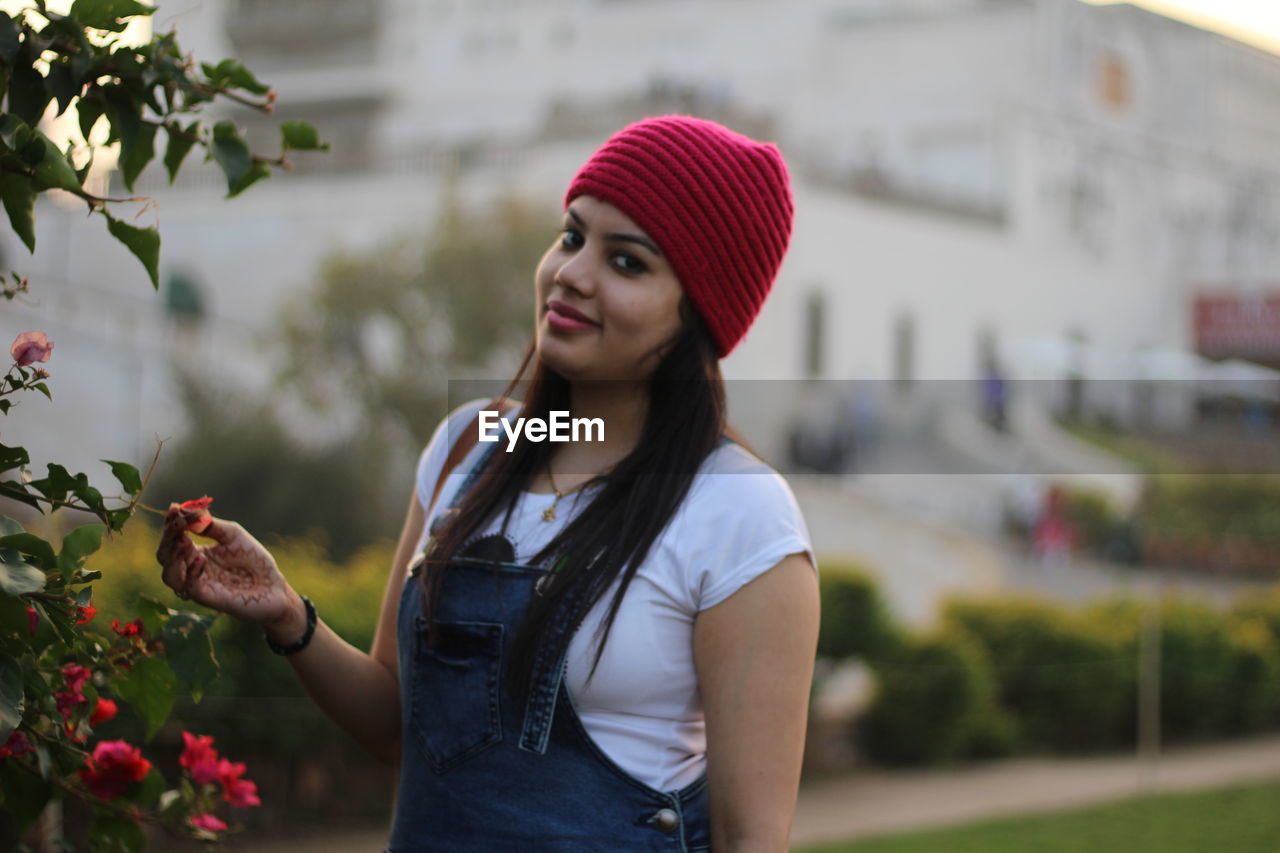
(855,619)
(257,701)
(1067,679)
(935,701)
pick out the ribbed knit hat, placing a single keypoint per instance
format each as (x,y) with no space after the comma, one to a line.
(718,204)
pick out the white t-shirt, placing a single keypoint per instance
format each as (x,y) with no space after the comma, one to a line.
(642,706)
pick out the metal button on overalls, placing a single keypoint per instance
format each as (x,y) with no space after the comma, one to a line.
(666,820)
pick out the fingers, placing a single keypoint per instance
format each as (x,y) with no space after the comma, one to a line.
(223,532)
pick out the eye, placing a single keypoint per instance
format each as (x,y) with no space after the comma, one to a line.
(570,239)
(630,264)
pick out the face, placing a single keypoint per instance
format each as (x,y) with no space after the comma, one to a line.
(608,301)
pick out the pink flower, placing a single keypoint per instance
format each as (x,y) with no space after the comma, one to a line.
(199,758)
(241,793)
(85,614)
(208,822)
(113,768)
(17,744)
(33,619)
(103,711)
(75,675)
(30,347)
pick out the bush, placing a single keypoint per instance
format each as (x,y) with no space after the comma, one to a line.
(1252,695)
(1213,521)
(933,694)
(1068,679)
(855,620)
(1091,517)
(257,701)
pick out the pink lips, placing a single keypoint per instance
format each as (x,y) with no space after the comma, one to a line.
(564,318)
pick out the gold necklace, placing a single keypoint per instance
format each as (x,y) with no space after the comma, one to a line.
(549,514)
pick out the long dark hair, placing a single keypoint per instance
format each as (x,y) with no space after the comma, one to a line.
(610,538)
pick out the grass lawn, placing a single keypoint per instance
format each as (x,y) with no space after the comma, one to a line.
(1239,820)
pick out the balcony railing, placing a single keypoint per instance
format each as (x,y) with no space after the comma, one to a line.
(304,26)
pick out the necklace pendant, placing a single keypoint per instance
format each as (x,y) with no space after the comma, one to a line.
(549,514)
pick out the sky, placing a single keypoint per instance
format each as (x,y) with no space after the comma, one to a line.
(1254,21)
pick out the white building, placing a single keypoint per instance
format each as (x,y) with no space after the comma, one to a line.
(965,171)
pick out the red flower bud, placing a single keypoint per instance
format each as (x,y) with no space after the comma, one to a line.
(105,710)
(85,614)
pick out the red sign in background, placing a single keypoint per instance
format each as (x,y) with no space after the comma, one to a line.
(1237,326)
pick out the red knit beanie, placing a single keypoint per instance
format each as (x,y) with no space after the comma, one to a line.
(718,204)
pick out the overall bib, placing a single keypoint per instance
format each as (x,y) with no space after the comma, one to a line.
(481,774)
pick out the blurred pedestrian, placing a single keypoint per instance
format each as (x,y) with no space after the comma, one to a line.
(1052,537)
(994,389)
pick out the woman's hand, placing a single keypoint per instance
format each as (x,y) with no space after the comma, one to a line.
(236,575)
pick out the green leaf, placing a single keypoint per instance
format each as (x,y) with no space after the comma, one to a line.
(148,793)
(11,704)
(27,93)
(180,142)
(112,833)
(256,172)
(190,651)
(88,111)
(61,622)
(137,155)
(10,458)
(78,544)
(54,170)
(143,242)
(19,196)
(233,155)
(9,42)
(124,112)
(17,576)
(32,546)
(128,476)
(17,492)
(14,132)
(43,389)
(24,795)
(62,85)
(300,136)
(149,688)
(230,71)
(108,15)
(154,614)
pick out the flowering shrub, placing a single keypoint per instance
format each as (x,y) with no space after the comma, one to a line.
(61,673)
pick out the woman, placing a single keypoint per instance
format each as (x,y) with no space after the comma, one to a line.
(601,645)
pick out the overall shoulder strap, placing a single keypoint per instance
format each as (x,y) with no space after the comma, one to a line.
(462,446)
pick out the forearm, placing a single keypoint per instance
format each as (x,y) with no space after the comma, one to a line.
(353,689)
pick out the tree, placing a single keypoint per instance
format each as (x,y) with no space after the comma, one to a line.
(375,341)
(57,672)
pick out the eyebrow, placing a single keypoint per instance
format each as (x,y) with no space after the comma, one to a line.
(619,236)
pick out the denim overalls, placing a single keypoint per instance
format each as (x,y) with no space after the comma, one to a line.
(480,774)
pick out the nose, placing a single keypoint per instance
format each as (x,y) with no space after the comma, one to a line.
(576,274)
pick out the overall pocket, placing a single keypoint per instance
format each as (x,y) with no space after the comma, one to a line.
(454,690)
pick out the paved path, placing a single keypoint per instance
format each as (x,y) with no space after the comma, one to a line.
(876,802)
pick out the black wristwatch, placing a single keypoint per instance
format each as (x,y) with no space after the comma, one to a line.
(301,643)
